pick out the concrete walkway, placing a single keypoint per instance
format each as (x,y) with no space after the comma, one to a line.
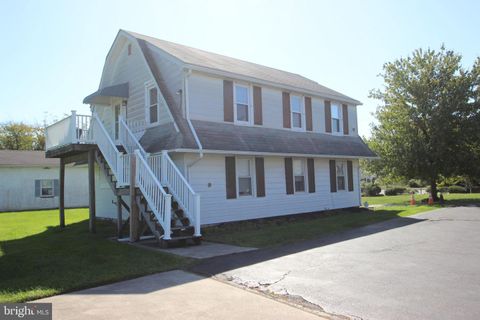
(170,295)
(203,251)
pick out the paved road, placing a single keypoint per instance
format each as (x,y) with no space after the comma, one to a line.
(421,267)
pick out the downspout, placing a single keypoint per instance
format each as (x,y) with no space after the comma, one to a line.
(187,116)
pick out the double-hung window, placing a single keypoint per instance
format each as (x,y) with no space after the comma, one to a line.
(242,103)
(341,175)
(299,175)
(152,104)
(46,188)
(336,118)
(297,114)
(244,177)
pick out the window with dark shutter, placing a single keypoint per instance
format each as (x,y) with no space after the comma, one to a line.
(328,117)
(230,178)
(289,175)
(345,119)
(257,106)
(308,113)
(350,175)
(286,109)
(260,176)
(228,100)
(311,175)
(333,176)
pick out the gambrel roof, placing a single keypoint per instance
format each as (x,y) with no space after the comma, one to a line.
(204,59)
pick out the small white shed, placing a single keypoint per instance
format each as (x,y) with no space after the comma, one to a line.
(29,181)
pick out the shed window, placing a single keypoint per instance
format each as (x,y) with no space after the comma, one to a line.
(296,106)
(46,188)
(341,175)
(242,103)
(299,175)
(244,176)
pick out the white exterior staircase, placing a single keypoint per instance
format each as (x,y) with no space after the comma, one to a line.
(167,203)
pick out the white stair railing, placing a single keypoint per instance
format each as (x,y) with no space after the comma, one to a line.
(128,139)
(159,201)
(181,190)
(118,163)
(72,129)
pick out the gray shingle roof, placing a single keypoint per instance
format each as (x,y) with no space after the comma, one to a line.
(26,159)
(228,137)
(201,58)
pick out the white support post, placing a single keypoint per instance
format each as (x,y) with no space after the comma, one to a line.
(197,216)
(168,217)
(163,171)
(73,127)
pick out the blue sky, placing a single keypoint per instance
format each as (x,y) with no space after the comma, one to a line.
(52,52)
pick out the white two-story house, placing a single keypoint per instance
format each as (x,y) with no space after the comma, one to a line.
(220,138)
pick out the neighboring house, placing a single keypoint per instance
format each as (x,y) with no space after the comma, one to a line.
(228,139)
(30,181)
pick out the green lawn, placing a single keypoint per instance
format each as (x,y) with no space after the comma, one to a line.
(404,199)
(38,259)
(271,232)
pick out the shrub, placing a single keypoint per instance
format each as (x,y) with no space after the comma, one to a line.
(476,189)
(456,189)
(394,191)
(370,189)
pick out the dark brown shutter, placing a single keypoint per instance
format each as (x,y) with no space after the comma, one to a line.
(350,175)
(345,118)
(228,100)
(311,175)
(257,106)
(260,176)
(286,109)
(289,175)
(333,176)
(328,116)
(231,182)
(308,113)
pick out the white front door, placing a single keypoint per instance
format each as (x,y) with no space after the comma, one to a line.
(118,110)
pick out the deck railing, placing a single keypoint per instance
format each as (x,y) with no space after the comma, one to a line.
(72,129)
(159,201)
(128,139)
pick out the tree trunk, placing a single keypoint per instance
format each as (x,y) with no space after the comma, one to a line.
(433,190)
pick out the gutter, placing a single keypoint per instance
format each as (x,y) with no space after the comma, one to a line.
(187,116)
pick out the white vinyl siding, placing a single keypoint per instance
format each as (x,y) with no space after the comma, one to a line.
(207,178)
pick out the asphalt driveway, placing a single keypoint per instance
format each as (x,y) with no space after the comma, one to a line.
(421,267)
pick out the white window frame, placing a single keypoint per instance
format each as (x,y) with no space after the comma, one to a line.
(345,175)
(148,87)
(252,177)
(250,104)
(302,113)
(52,187)
(340,118)
(305,175)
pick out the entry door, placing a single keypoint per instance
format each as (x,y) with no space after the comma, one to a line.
(118,111)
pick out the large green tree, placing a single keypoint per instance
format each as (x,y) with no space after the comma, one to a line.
(21,136)
(428,120)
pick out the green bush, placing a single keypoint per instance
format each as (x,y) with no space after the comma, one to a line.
(370,189)
(394,191)
(456,189)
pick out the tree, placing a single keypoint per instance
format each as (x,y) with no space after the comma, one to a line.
(21,136)
(428,119)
